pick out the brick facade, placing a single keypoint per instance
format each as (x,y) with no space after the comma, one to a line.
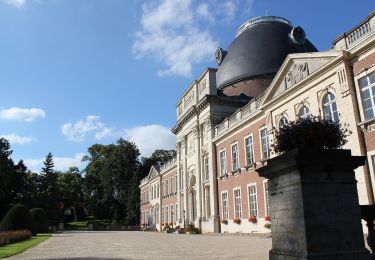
(364,64)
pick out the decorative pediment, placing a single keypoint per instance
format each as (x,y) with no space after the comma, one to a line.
(296,68)
(154,171)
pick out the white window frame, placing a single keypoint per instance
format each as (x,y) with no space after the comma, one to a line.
(305,115)
(329,103)
(234,202)
(237,155)
(223,168)
(252,148)
(222,205)
(206,167)
(253,184)
(283,121)
(171,185)
(261,143)
(369,87)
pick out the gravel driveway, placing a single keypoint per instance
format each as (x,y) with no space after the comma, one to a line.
(148,245)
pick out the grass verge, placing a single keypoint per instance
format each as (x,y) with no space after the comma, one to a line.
(16,248)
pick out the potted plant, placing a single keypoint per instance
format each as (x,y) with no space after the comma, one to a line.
(237,221)
(224,221)
(267,218)
(267,225)
(310,134)
(253,219)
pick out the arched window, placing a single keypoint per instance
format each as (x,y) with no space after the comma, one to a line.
(304,112)
(330,107)
(283,122)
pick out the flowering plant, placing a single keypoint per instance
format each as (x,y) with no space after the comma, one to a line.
(224,221)
(253,219)
(237,221)
(312,133)
(267,218)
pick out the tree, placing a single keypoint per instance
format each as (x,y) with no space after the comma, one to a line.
(50,191)
(111,181)
(159,156)
(71,187)
(48,164)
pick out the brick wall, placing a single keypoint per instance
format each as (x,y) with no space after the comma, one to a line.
(364,64)
(370,140)
(244,177)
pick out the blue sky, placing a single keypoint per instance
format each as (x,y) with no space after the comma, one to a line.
(78,72)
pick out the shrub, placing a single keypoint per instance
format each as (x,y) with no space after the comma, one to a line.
(40,220)
(8,237)
(253,219)
(237,221)
(224,221)
(313,133)
(267,225)
(17,218)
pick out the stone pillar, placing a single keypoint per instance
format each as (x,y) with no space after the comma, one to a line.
(198,175)
(314,206)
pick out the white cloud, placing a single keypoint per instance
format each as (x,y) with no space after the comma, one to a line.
(20,3)
(15,3)
(22,114)
(170,32)
(61,163)
(151,137)
(204,12)
(17,139)
(147,138)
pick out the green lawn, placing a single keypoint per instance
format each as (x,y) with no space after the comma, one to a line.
(16,248)
(76,225)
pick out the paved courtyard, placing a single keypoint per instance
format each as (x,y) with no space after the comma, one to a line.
(148,245)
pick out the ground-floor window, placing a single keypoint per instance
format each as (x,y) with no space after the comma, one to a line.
(224,205)
(253,204)
(237,203)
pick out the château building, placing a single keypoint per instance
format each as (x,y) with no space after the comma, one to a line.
(269,75)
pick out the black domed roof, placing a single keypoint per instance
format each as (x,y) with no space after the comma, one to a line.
(260,47)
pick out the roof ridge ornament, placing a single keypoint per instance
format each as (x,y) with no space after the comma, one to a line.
(297,35)
(261,19)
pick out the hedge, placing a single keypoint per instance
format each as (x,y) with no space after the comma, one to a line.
(40,220)
(17,218)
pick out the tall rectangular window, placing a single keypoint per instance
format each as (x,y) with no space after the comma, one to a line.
(266,199)
(172,213)
(166,187)
(367,85)
(253,203)
(162,215)
(265,143)
(176,210)
(235,160)
(171,185)
(176,188)
(237,203)
(206,169)
(181,179)
(249,150)
(167,214)
(223,163)
(224,205)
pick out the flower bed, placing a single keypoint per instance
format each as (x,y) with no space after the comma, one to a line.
(8,237)
(224,221)
(253,219)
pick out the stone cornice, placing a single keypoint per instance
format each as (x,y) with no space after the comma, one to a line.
(203,103)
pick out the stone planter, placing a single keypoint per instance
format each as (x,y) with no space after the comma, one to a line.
(314,205)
